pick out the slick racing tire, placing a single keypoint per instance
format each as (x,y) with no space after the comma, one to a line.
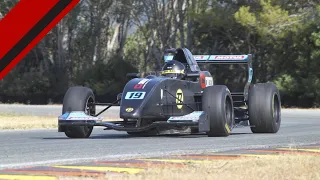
(217,103)
(264,108)
(79,98)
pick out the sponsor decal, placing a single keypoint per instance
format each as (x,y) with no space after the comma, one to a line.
(209,81)
(179,100)
(141,84)
(135,95)
(198,57)
(229,57)
(173,71)
(129,109)
(201,57)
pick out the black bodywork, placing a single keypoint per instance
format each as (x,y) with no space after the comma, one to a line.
(160,99)
(150,101)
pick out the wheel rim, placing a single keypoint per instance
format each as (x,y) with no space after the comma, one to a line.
(228,114)
(276,108)
(89,110)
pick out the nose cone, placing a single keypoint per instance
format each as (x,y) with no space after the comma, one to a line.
(130,112)
(139,96)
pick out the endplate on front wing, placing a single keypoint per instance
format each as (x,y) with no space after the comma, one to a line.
(198,117)
(78,116)
(192,117)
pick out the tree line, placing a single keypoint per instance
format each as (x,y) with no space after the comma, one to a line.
(100,41)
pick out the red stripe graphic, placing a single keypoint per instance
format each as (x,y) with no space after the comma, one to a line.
(20,20)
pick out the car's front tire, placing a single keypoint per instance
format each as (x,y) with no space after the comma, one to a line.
(217,103)
(79,98)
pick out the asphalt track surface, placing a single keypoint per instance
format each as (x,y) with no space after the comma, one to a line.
(45,147)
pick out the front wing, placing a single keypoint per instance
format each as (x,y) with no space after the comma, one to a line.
(79,118)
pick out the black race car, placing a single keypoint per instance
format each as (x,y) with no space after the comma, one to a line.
(182,99)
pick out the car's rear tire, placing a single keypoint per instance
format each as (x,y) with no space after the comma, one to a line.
(217,103)
(78,98)
(264,108)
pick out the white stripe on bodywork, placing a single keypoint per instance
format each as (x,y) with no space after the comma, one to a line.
(161,93)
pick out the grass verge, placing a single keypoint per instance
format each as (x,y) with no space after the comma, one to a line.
(12,121)
(282,167)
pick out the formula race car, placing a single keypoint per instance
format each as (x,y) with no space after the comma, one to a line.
(181,99)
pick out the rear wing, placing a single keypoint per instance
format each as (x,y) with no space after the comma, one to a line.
(226,59)
(223,59)
(219,59)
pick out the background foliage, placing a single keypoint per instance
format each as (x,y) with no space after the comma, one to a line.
(102,40)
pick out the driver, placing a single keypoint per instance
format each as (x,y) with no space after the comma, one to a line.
(173,69)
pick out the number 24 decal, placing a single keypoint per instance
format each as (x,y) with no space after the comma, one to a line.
(135,95)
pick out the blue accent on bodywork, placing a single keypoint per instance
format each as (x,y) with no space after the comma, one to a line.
(64,116)
(250,75)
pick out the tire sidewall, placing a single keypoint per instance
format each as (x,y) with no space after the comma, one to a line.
(76,99)
(214,100)
(261,108)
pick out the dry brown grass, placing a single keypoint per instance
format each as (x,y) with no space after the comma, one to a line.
(282,167)
(8,121)
(14,122)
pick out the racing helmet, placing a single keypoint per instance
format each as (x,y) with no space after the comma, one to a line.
(173,69)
